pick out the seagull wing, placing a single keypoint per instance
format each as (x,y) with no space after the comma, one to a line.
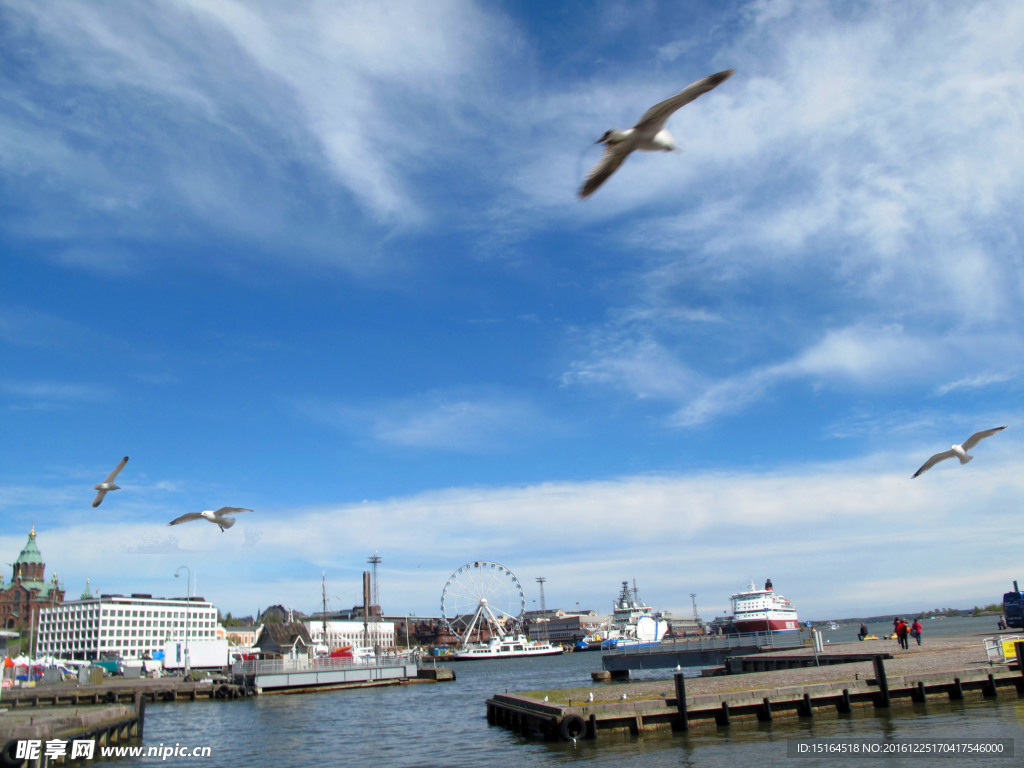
(118,468)
(610,161)
(230,511)
(186,518)
(977,437)
(99,498)
(655,117)
(933,461)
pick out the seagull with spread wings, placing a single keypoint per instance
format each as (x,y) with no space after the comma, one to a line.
(959,451)
(108,484)
(217,518)
(648,134)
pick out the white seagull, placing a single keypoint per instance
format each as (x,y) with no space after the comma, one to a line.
(108,484)
(217,518)
(648,134)
(959,451)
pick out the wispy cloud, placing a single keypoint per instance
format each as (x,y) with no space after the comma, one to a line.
(242,119)
(51,394)
(26,326)
(453,421)
(979,381)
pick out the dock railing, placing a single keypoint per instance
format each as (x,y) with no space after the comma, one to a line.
(318,664)
(715,643)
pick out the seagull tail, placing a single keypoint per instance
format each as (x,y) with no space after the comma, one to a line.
(226,522)
(966,458)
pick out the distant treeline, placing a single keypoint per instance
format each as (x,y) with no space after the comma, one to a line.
(992,608)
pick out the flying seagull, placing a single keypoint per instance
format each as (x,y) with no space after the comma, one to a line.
(108,484)
(648,134)
(959,451)
(217,518)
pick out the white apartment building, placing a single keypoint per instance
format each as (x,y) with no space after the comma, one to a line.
(374,634)
(125,627)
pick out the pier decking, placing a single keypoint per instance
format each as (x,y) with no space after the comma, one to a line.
(947,669)
(103,724)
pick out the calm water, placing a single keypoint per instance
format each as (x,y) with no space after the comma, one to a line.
(445,724)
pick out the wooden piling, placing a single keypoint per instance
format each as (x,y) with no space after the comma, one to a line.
(956,691)
(990,691)
(723,716)
(883,684)
(844,705)
(806,709)
(140,713)
(684,720)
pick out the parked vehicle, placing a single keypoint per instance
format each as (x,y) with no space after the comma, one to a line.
(1013,607)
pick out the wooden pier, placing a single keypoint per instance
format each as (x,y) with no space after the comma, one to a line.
(755,698)
(103,724)
(118,691)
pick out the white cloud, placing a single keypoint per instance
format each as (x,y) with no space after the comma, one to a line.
(640,365)
(844,209)
(47,394)
(827,534)
(251,119)
(459,421)
(979,381)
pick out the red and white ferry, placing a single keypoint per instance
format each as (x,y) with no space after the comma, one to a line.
(763,610)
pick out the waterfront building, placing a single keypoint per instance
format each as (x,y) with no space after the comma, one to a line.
(28,591)
(114,626)
(242,635)
(290,639)
(371,634)
(685,625)
(419,630)
(560,627)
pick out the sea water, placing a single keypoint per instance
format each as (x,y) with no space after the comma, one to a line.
(445,724)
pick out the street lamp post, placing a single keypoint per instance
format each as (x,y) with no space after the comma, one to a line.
(188,600)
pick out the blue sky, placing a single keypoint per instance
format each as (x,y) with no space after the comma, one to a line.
(326,261)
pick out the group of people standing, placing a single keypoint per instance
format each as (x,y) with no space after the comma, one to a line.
(904,631)
(900,630)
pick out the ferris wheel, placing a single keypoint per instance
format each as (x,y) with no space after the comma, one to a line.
(480,596)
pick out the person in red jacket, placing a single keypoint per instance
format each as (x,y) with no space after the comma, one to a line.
(915,630)
(903,634)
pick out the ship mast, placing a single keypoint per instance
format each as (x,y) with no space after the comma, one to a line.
(323,582)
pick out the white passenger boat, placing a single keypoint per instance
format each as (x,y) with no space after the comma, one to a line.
(508,647)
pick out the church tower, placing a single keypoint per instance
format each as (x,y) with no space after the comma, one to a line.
(28,590)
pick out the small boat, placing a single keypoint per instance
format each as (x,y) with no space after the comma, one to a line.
(833,626)
(591,642)
(508,647)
